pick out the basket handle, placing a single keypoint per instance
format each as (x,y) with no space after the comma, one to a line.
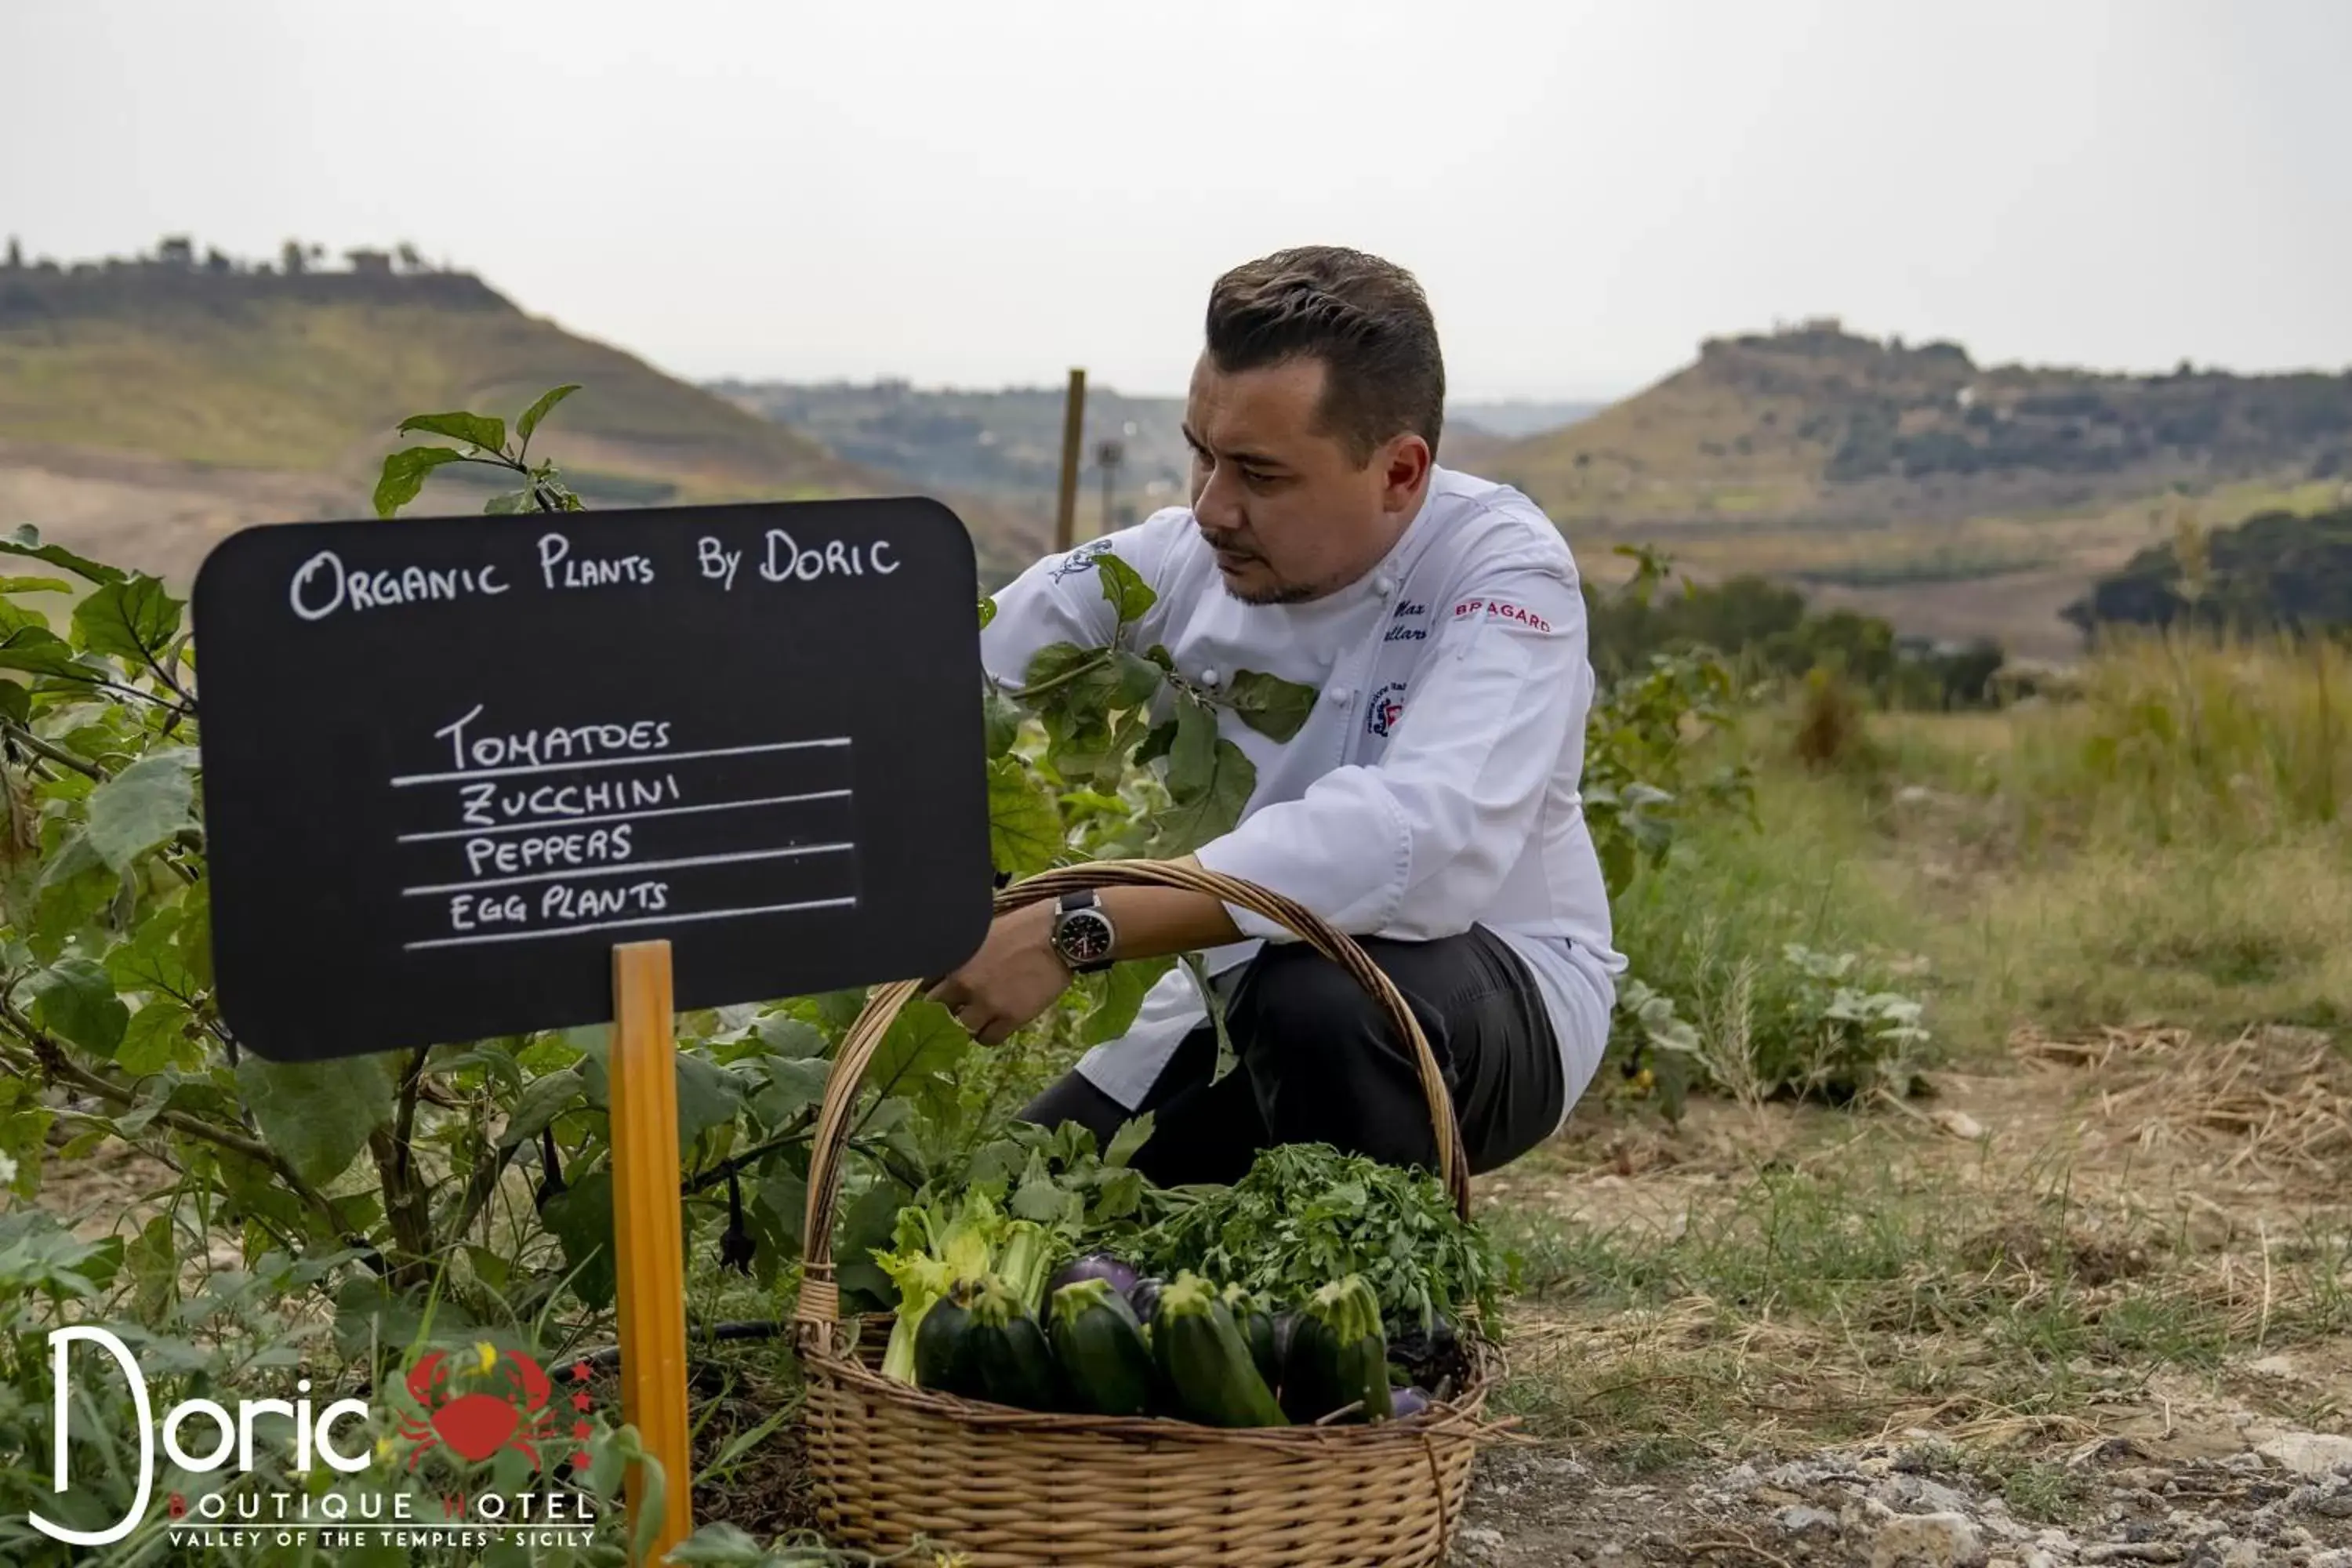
(820,1297)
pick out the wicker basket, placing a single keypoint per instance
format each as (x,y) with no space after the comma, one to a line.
(1013,1488)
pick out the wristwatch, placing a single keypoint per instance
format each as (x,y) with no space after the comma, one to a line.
(1082,933)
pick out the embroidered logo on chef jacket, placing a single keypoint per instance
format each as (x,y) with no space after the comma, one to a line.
(1387,706)
(1500,610)
(1081,558)
(1408,610)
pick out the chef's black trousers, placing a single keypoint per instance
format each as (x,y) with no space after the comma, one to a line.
(1320,1062)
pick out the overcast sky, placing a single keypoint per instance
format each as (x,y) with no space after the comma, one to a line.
(980,194)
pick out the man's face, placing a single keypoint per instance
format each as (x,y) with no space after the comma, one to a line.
(1288,511)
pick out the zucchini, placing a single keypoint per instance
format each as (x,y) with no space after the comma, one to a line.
(1203,1362)
(1009,1359)
(943,1341)
(1338,1356)
(1256,1326)
(1106,1368)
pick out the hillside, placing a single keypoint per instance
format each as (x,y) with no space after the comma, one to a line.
(1008,442)
(1908,480)
(148,407)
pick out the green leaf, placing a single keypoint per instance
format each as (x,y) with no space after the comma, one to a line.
(1267,703)
(1131,1136)
(133,619)
(1186,824)
(987,613)
(542,1100)
(74,998)
(35,585)
(1128,594)
(924,1042)
(403,474)
(27,541)
(1135,680)
(708,1097)
(154,960)
(1192,758)
(318,1115)
(157,1035)
(538,411)
(40,651)
(1024,829)
(579,1217)
(784,1036)
(1057,660)
(1123,990)
(1001,718)
(485,431)
(869,1225)
(144,805)
(507,504)
(794,1083)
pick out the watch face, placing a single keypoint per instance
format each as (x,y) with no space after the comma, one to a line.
(1085,937)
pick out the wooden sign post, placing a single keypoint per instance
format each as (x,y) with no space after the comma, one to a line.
(648,1245)
(469,776)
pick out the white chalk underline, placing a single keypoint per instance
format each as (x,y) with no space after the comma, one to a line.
(622,815)
(640,920)
(467,775)
(617,867)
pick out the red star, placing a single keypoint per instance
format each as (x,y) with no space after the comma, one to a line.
(579,1401)
(579,1371)
(580,1461)
(581,1429)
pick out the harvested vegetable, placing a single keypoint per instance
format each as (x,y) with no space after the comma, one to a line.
(1306,1214)
(1206,1366)
(1338,1356)
(1406,1403)
(1256,1326)
(1022,1263)
(1093,1265)
(1006,1353)
(1107,1367)
(1144,1296)
(939,1349)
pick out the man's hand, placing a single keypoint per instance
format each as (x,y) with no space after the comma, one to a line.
(1016,974)
(1015,977)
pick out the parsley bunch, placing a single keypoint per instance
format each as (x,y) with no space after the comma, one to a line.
(1307,1215)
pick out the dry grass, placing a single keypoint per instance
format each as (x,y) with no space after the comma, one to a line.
(2139,1214)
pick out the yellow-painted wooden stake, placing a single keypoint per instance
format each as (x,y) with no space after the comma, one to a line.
(647,1233)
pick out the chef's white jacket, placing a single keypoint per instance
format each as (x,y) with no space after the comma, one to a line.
(1435,783)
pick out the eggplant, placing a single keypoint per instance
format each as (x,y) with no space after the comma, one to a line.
(1144,1296)
(1093,1265)
(1406,1403)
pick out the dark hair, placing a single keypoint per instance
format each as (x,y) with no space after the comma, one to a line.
(1364,318)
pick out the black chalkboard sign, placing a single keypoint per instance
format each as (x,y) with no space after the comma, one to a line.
(450,762)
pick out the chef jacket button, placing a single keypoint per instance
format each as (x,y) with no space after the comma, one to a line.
(1343,695)
(1383,585)
(1209,676)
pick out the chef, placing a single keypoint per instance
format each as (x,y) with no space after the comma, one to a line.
(1429,806)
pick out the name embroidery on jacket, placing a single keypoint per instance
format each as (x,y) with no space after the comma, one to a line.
(1501,610)
(1398,632)
(1387,706)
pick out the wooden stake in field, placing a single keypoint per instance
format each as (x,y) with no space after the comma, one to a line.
(648,1237)
(1074,418)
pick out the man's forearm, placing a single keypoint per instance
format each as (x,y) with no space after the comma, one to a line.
(1153,922)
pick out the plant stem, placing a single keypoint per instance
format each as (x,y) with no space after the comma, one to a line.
(1029,694)
(797,1132)
(57,1066)
(38,747)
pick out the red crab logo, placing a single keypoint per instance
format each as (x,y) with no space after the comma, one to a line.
(518,1412)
